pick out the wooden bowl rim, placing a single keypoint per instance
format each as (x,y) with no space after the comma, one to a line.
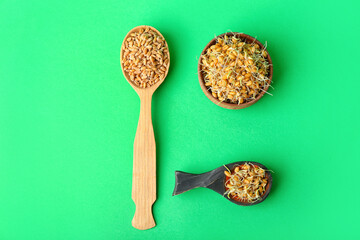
(247,38)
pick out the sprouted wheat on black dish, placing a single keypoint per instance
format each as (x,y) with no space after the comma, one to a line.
(246,183)
(235,71)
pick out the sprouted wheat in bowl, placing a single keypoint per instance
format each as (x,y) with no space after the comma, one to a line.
(145,57)
(246,183)
(235,70)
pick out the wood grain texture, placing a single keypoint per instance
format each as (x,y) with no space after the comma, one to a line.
(208,94)
(144,158)
(144,167)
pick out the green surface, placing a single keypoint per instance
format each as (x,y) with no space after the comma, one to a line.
(68,121)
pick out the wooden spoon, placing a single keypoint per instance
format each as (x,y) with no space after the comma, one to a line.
(144,162)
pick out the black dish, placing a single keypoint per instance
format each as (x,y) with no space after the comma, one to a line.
(215,180)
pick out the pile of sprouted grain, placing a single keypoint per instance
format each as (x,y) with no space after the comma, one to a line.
(246,183)
(145,57)
(235,71)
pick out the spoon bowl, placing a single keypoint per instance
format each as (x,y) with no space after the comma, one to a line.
(144,155)
(215,180)
(126,75)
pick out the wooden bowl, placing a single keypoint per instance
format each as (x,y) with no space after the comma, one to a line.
(207,92)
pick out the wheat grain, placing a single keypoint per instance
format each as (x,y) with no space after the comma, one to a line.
(145,57)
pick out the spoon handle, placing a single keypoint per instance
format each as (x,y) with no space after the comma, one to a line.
(144,167)
(187,181)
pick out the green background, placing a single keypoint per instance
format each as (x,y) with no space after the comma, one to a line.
(68,121)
